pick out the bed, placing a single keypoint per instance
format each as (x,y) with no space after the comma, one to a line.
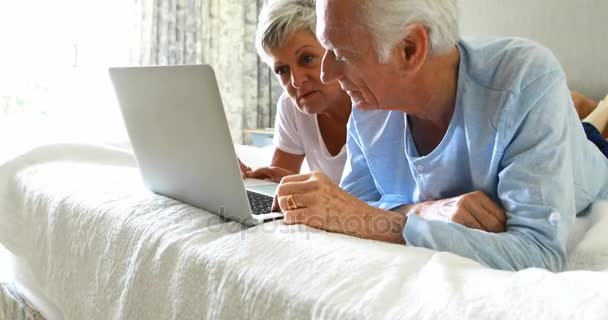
(89,241)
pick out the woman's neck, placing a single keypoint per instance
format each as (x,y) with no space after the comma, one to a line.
(332,125)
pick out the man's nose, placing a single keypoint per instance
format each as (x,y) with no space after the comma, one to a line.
(330,68)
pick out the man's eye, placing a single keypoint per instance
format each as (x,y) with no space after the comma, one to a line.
(339,58)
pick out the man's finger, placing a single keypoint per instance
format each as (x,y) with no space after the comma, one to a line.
(275,204)
(300,200)
(489,205)
(464,218)
(495,209)
(296,178)
(297,187)
(484,217)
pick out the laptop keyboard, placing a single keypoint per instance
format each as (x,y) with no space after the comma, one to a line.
(259,203)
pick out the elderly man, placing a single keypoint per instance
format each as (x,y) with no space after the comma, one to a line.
(445,129)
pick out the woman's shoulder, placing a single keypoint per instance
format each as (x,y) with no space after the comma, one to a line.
(286,104)
(289,109)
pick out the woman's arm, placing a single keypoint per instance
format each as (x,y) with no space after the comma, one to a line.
(289,148)
(288,161)
(283,164)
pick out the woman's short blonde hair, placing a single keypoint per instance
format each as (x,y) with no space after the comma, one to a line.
(279,20)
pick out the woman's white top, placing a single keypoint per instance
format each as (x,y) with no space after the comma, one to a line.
(298,133)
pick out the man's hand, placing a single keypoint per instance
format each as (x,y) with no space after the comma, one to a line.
(274,174)
(474,210)
(314,200)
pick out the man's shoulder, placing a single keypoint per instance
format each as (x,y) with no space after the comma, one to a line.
(506,64)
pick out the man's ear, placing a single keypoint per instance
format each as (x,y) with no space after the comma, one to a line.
(414,47)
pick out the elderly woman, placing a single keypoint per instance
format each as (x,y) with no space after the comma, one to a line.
(311,116)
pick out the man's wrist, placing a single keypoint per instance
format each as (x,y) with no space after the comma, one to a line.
(406,209)
(385,226)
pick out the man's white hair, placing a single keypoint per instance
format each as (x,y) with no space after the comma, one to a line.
(279,20)
(387,21)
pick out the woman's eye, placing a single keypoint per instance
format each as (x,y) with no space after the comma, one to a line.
(307,59)
(281,70)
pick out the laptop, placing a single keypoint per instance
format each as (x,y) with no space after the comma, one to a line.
(176,123)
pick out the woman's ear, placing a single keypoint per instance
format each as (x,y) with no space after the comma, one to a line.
(414,47)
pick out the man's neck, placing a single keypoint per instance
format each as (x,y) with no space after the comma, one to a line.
(438,92)
(340,111)
(430,121)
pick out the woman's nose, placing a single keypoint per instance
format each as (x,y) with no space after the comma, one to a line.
(298,77)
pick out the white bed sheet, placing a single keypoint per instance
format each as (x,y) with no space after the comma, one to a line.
(99,244)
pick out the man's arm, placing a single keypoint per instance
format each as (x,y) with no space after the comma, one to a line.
(536,188)
(314,200)
(356,177)
(475,210)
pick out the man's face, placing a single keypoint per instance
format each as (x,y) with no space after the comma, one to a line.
(350,57)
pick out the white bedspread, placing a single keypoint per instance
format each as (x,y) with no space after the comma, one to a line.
(102,247)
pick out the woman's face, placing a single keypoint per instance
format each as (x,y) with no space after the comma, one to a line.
(298,67)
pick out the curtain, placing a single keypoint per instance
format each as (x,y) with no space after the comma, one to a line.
(13,306)
(216,32)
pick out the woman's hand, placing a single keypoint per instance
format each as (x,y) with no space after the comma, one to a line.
(274,174)
(244,169)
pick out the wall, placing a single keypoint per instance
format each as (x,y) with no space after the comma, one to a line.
(576,30)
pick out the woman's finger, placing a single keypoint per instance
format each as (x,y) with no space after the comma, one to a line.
(276,174)
(260,173)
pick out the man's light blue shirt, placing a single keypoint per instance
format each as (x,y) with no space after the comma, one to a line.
(514,135)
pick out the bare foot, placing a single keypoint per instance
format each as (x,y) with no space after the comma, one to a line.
(604,104)
(599,117)
(584,106)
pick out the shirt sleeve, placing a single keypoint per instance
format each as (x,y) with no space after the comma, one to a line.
(356,177)
(536,187)
(286,135)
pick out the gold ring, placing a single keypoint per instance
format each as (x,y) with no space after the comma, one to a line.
(291,202)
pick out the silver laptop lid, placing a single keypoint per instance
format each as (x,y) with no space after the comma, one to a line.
(179,132)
